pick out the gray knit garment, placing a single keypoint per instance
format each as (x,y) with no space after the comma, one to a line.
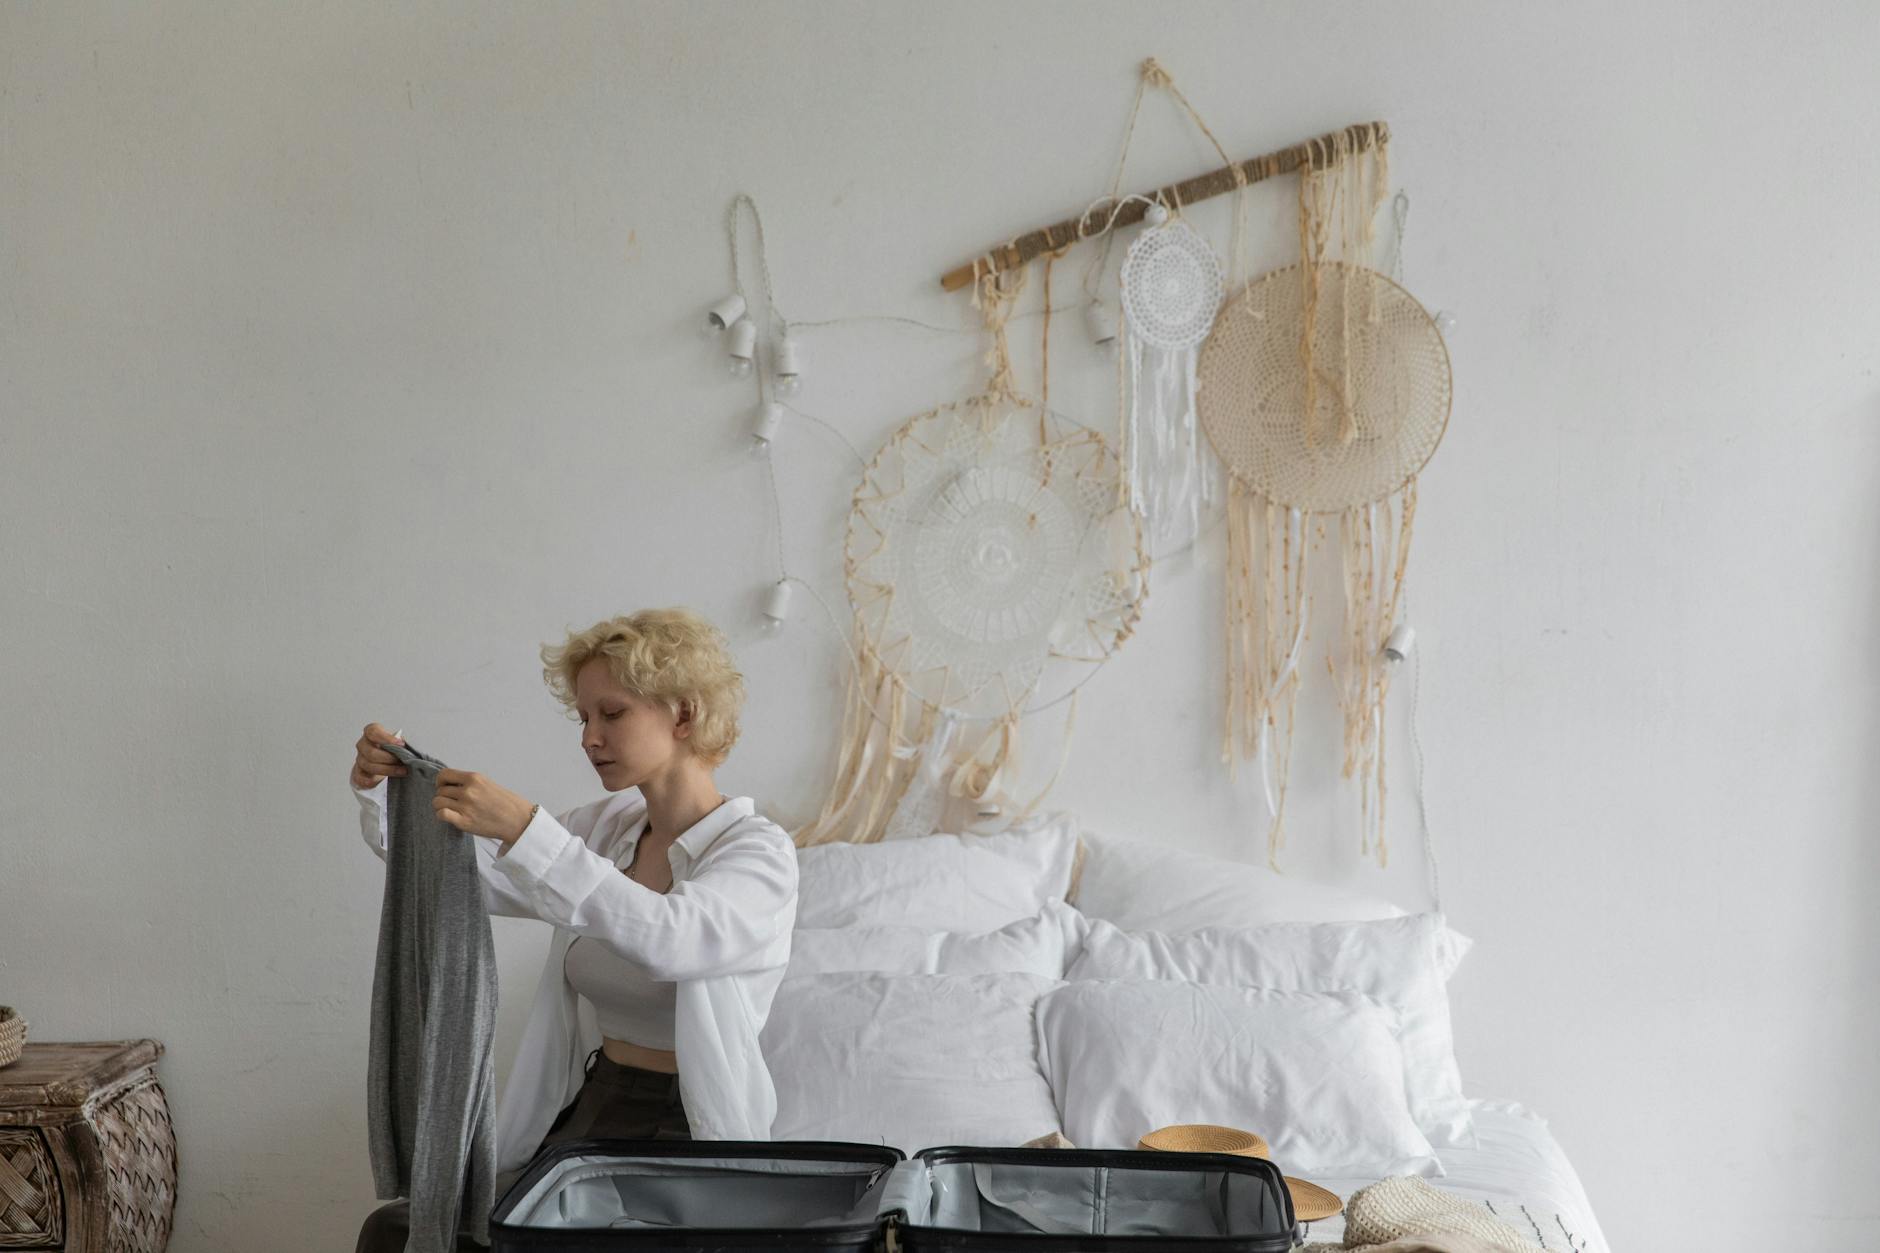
(430,1086)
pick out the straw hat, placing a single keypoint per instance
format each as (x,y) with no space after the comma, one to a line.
(1310,1202)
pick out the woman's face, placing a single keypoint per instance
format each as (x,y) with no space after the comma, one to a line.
(628,739)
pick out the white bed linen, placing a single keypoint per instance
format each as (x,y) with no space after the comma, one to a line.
(911,1061)
(1043,944)
(1401,962)
(970,883)
(1518,1168)
(1319,1074)
(1147,885)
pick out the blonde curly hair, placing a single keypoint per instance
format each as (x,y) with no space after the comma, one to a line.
(669,655)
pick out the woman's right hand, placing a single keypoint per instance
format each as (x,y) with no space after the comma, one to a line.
(373,763)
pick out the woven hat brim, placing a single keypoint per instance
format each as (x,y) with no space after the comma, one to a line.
(1310,1202)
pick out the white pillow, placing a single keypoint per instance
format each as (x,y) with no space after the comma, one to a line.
(970,883)
(909,1061)
(1043,944)
(1319,1075)
(1144,886)
(1399,962)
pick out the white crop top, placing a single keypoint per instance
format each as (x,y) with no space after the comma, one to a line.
(628,1004)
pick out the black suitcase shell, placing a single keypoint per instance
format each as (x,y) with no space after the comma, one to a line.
(772,1196)
(731,1196)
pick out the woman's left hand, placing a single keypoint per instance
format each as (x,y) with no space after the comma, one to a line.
(478,805)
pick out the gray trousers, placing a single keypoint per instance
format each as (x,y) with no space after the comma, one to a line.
(430,1082)
(622,1102)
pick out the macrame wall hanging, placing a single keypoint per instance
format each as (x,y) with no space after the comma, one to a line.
(988,555)
(995,549)
(1325,387)
(1170,286)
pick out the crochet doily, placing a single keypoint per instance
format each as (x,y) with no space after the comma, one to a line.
(1172,287)
(989,542)
(1252,388)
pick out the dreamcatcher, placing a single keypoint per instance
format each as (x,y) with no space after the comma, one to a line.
(1171,285)
(989,562)
(1325,387)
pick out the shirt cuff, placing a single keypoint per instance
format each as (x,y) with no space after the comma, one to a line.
(535,849)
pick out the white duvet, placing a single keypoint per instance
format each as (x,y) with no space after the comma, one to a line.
(1517,1169)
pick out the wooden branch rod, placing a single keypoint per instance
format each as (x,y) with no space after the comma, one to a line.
(1201,187)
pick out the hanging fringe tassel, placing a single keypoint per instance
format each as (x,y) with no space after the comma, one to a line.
(1268,608)
(1374,552)
(1167,467)
(921,804)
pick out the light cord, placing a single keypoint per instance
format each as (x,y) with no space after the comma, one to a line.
(1423,817)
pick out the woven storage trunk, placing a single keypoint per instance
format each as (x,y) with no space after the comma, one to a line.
(87,1153)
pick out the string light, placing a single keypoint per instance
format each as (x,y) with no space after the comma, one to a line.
(784,369)
(1445,319)
(723,314)
(785,380)
(764,428)
(1402,639)
(777,605)
(743,348)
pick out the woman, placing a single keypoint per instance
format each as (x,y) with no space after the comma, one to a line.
(672,904)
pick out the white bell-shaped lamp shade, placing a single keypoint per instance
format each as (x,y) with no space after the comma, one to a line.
(1401,640)
(785,367)
(764,427)
(743,347)
(723,314)
(777,604)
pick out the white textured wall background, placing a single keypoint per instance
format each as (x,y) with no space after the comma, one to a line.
(347,355)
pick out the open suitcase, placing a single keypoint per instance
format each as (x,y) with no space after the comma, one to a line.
(735,1196)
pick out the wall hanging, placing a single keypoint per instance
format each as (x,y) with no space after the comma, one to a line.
(989,560)
(1170,288)
(995,549)
(1325,387)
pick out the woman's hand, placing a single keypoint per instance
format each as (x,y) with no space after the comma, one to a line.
(476,804)
(372,763)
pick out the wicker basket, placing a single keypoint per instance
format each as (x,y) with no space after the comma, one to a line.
(12,1035)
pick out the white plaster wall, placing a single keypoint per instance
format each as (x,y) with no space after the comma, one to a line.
(347,355)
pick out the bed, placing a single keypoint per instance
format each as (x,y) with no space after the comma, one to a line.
(996,989)
(1518,1172)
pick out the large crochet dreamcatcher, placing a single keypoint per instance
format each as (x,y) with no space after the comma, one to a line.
(1325,387)
(991,565)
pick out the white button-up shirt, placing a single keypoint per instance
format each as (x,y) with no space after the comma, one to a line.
(722,934)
